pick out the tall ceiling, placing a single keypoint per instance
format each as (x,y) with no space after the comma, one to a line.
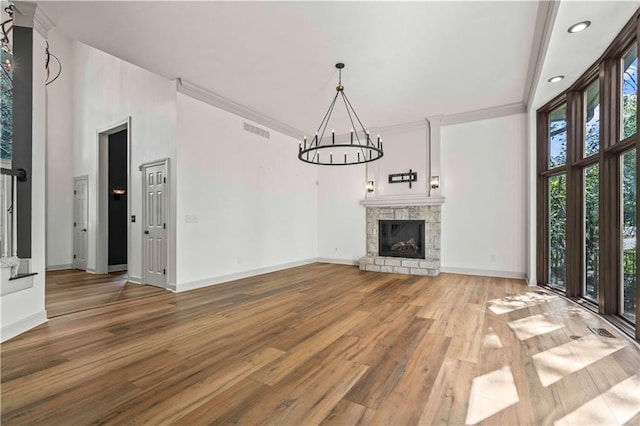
(404,60)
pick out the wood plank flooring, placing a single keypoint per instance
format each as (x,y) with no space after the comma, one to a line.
(321,344)
(72,290)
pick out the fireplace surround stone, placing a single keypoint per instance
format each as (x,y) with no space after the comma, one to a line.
(430,213)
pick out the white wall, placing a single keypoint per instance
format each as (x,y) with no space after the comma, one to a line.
(107,90)
(59,164)
(255,203)
(405,147)
(484,181)
(341,217)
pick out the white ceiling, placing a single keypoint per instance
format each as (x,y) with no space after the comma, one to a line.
(404,60)
(571,54)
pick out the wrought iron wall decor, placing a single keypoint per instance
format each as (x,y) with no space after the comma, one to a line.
(404,177)
(360,148)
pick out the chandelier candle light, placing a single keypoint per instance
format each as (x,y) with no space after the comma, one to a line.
(360,148)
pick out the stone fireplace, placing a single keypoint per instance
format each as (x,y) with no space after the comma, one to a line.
(423,261)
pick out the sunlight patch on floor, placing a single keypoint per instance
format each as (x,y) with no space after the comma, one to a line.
(518,301)
(558,362)
(534,325)
(491,340)
(490,394)
(618,405)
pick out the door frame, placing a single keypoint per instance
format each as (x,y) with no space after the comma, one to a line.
(86,206)
(161,162)
(102,189)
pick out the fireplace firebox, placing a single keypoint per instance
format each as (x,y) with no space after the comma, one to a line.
(401,238)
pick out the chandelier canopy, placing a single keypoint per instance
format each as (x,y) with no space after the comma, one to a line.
(358,149)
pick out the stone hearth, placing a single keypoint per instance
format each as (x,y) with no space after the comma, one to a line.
(429,212)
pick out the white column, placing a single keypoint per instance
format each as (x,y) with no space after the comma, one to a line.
(435,125)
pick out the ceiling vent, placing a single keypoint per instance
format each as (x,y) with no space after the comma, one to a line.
(255,130)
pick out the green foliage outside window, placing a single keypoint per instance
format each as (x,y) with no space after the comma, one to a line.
(558,231)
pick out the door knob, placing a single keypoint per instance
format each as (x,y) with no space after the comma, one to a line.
(146,232)
(84,230)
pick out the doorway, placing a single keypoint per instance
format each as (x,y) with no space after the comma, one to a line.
(118,192)
(113,242)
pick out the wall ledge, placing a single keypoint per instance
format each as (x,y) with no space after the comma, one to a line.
(403,200)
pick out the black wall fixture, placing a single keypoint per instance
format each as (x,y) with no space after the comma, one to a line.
(404,177)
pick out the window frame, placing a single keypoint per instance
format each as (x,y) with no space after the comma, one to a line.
(607,70)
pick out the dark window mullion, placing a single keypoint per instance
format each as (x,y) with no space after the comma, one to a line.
(610,228)
(574,237)
(542,195)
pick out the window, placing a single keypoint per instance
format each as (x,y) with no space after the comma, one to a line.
(591,231)
(592,119)
(629,92)
(586,185)
(628,226)
(558,231)
(558,137)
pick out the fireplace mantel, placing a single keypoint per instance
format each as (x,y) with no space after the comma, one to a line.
(403,200)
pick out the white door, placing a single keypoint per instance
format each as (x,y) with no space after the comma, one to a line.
(155,224)
(80,216)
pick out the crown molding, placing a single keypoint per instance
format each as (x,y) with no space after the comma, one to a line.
(228,105)
(42,23)
(30,15)
(484,114)
(401,127)
(545,20)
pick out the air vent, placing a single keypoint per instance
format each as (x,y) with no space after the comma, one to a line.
(255,130)
(601,332)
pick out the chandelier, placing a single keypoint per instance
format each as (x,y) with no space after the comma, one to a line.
(357,149)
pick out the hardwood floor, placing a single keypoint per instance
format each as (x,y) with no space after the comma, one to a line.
(72,290)
(324,344)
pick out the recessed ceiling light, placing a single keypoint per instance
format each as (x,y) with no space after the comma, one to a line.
(556,78)
(580,26)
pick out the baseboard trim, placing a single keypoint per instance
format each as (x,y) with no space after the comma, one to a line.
(91,271)
(59,267)
(485,273)
(117,268)
(192,285)
(135,280)
(338,261)
(12,330)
